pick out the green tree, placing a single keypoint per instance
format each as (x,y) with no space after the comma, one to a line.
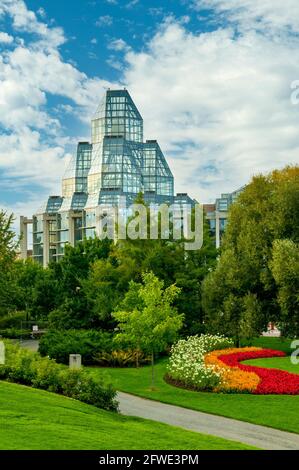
(151,323)
(73,309)
(170,262)
(285,268)
(8,247)
(265,211)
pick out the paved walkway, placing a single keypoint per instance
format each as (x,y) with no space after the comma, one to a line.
(252,434)
(232,429)
(31,344)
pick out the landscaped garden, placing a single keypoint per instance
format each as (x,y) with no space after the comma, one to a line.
(278,411)
(156,321)
(35,419)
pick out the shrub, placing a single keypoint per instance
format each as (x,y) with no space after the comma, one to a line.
(12,320)
(14,333)
(61,343)
(80,385)
(28,368)
(186,363)
(121,358)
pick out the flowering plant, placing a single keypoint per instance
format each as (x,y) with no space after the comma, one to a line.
(187,365)
(233,379)
(271,381)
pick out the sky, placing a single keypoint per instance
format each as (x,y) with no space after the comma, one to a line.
(212,79)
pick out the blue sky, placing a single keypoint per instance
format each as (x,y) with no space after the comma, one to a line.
(212,79)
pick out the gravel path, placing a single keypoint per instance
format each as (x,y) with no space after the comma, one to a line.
(252,434)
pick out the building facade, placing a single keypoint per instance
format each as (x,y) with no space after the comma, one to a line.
(115,166)
(217,214)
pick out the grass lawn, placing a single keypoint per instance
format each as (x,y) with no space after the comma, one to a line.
(272,343)
(33,419)
(283,363)
(277,411)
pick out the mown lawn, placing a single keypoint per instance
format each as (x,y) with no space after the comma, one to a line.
(283,363)
(276,411)
(281,344)
(32,419)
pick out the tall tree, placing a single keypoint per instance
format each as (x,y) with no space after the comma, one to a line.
(265,211)
(8,247)
(151,323)
(285,269)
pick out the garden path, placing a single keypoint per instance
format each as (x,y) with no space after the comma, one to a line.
(252,434)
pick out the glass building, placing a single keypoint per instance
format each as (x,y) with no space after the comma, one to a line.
(115,166)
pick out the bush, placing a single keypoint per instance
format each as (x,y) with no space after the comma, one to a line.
(12,320)
(28,368)
(60,344)
(14,333)
(186,364)
(121,358)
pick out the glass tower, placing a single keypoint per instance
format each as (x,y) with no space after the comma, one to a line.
(116,164)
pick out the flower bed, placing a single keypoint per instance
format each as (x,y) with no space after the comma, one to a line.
(233,379)
(271,381)
(186,364)
(207,363)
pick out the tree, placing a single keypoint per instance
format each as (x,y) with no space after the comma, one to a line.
(170,262)
(264,212)
(285,269)
(73,309)
(8,247)
(151,323)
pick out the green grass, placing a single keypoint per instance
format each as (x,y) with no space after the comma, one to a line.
(283,363)
(33,419)
(281,344)
(277,411)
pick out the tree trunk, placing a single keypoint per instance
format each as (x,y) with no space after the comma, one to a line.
(137,358)
(153,370)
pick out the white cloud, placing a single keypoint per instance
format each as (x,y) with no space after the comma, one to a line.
(105,20)
(219,103)
(32,139)
(132,4)
(114,63)
(118,45)
(26,20)
(265,15)
(5,38)
(42,12)
(23,155)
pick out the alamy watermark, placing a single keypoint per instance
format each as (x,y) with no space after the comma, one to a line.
(295,354)
(295,92)
(166,222)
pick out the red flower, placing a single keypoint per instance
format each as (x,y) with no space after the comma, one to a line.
(273,381)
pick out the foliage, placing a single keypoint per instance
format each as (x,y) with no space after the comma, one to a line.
(245,292)
(151,323)
(59,344)
(121,358)
(285,270)
(28,368)
(15,333)
(8,246)
(187,365)
(12,319)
